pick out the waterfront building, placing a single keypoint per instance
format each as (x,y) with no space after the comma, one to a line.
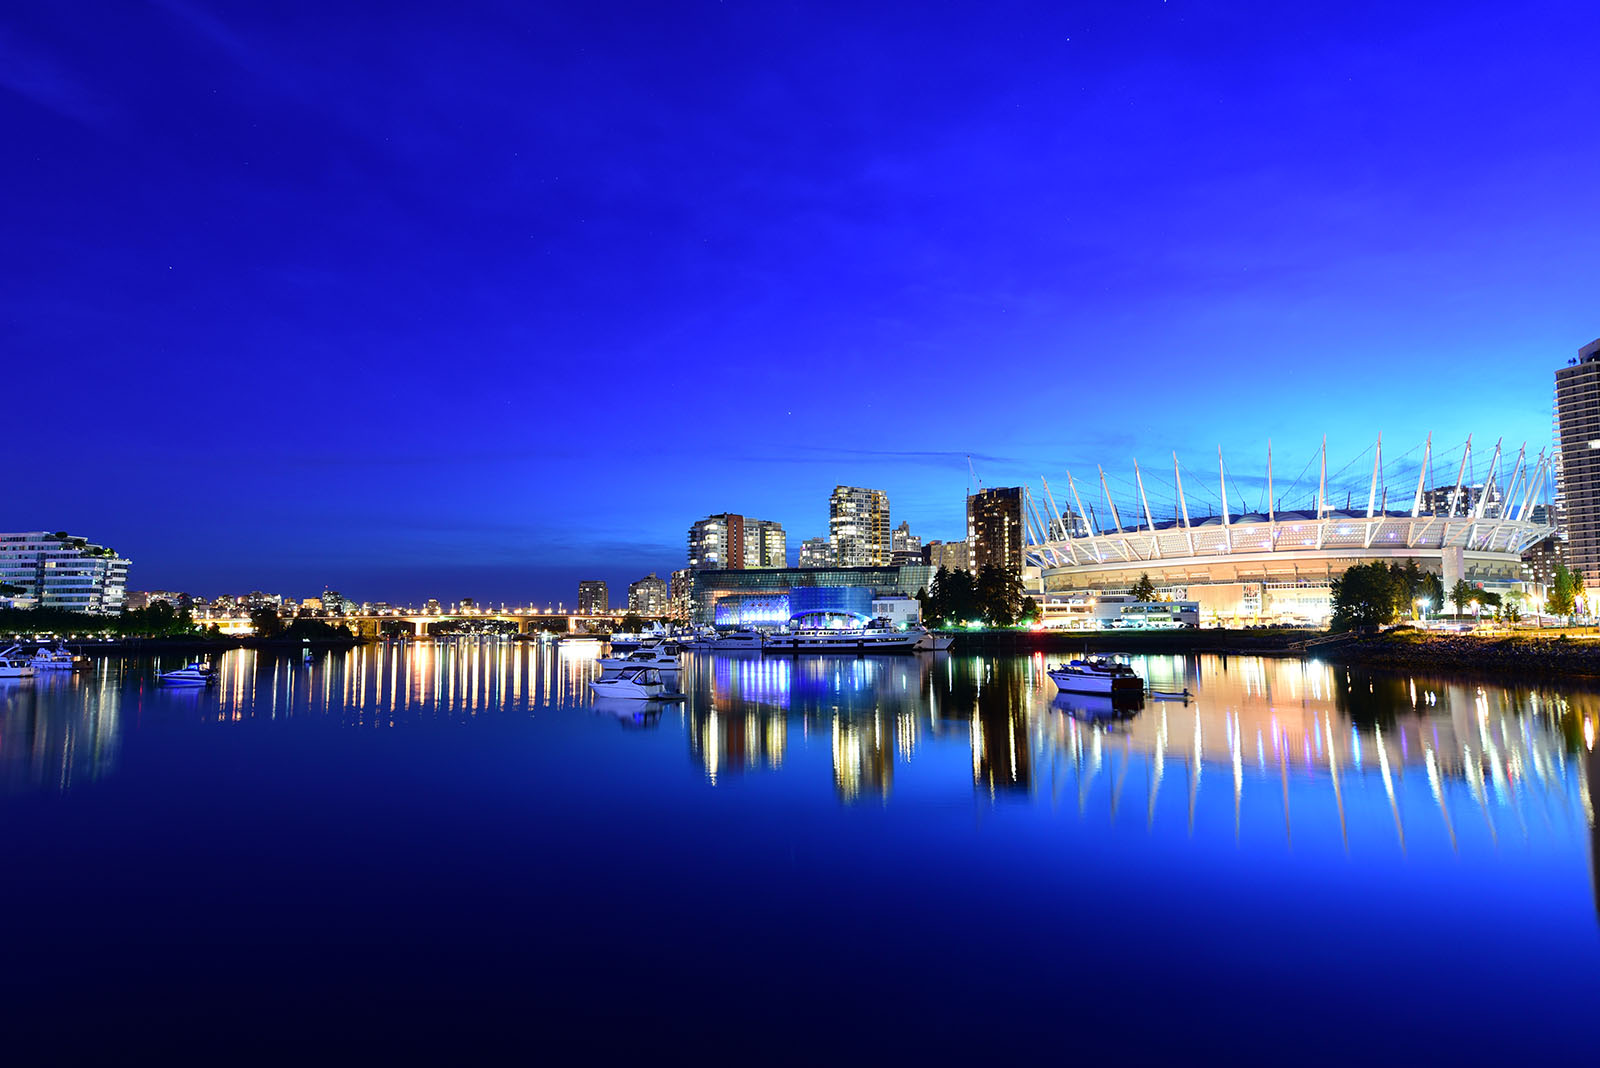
(815,552)
(769,597)
(994,528)
(948,554)
(735,541)
(1578,474)
(63,572)
(679,591)
(904,546)
(858,527)
(1539,564)
(1278,564)
(593,598)
(648,596)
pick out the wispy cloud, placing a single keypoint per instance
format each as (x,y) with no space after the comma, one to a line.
(26,71)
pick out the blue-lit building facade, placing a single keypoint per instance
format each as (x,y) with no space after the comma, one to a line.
(808,596)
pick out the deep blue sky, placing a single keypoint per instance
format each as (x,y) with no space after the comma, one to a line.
(471,299)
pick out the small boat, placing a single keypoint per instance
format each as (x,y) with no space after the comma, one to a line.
(57,659)
(934,643)
(195,674)
(13,665)
(1097,675)
(633,684)
(654,656)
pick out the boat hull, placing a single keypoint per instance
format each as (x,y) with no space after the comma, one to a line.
(869,643)
(1102,685)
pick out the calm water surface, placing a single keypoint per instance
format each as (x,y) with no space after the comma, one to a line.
(819,858)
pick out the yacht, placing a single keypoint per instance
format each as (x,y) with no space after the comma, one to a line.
(58,659)
(633,684)
(875,637)
(934,643)
(735,640)
(13,665)
(194,674)
(1097,675)
(652,656)
(623,641)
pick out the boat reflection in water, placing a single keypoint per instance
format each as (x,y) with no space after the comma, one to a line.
(58,729)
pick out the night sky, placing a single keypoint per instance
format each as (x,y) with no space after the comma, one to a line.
(476,300)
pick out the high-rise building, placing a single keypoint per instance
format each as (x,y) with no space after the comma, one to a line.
(815,552)
(994,528)
(765,544)
(949,554)
(61,571)
(904,546)
(858,527)
(593,598)
(648,596)
(680,592)
(1578,489)
(735,541)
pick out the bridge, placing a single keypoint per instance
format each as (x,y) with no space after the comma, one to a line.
(370,625)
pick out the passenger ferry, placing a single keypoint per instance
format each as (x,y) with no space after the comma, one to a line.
(874,637)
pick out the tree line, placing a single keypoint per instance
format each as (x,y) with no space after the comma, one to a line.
(994,596)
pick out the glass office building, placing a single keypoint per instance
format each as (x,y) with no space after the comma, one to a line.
(711,587)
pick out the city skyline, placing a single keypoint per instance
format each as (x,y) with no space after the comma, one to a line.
(359,305)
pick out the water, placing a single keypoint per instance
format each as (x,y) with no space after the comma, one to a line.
(816,858)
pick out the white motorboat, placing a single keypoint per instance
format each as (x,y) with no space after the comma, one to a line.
(624,641)
(1097,675)
(934,643)
(873,638)
(13,665)
(654,656)
(57,659)
(194,674)
(632,684)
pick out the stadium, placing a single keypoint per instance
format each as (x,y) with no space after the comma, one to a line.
(1254,549)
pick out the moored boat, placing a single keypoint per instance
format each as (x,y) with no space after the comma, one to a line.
(872,638)
(934,643)
(1097,675)
(13,665)
(193,674)
(58,658)
(632,684)
(653,657)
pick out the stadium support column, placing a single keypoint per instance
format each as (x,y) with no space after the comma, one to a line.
(1454,560)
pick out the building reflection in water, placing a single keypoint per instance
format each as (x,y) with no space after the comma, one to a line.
(58,730)
(742,708)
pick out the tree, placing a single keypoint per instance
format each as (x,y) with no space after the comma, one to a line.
(632,623)
(1144,589)
(932,600)
(1030,610)
(8,589)
(998,595)
(1560,601)
(1364,596)
(957,596)
(266,622)
(1461,594)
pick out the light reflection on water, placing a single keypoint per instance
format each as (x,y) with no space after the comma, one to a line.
(1279,741)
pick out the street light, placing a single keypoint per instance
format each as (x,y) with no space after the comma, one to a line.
(1422,604)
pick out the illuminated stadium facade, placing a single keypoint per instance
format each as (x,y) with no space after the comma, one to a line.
(1230,543)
